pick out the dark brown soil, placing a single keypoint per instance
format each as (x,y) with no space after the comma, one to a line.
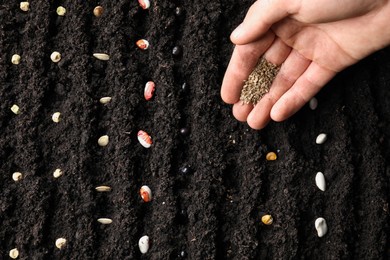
(211,211)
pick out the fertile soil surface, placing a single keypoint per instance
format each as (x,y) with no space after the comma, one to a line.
(210,210)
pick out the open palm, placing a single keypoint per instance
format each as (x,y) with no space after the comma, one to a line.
(311,40)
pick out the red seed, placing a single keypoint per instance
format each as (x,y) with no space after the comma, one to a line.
(145,4)
(146,193)
(149,90)
(142,44)
(144,139)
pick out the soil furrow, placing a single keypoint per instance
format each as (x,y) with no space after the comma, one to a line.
(32,191)
(71,146)
(368,201)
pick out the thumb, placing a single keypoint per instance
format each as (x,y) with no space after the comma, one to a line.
(259,18)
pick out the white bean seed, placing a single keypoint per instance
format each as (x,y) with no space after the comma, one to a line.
(17,176)
(103,140)
(321,227)
(56,117)
(143,244)
(320,181)
(60,242)
(57,173)
(105,100)
(321,138)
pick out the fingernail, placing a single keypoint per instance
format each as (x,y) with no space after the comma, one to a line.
(237,32)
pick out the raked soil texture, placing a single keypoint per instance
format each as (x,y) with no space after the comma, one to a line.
(211,184)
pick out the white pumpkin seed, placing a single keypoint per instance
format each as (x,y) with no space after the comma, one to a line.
(313,103)
(105,221)
(15,109)
(14,253)
(321,138)
(320,181)
(15,59)
(55,56)
(103,140)
(101,56)
(57,173)
(103,188)
(143,244)
(24,6)
(56,117)
(321,227)
(105,100)
(17,176)
(60,242)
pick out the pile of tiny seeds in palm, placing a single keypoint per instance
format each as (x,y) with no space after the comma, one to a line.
(259,82)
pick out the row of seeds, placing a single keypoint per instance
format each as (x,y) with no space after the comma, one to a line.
(320,223)
(18,176)
(143,137)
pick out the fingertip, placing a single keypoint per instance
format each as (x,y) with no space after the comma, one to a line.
(258,121)
(243,35)
(258,20)
(279,112)
(235,35)
(256,125)
(241,111)
(276,116)
(228,97)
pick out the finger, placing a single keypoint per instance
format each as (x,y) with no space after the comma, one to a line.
(241,111)
(275,54)
(293,67)
(306,86)
(331,11)
(260,17)
(242,62)
(278,52)
(305,39)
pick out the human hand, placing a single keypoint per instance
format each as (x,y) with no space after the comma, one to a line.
(311,40)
